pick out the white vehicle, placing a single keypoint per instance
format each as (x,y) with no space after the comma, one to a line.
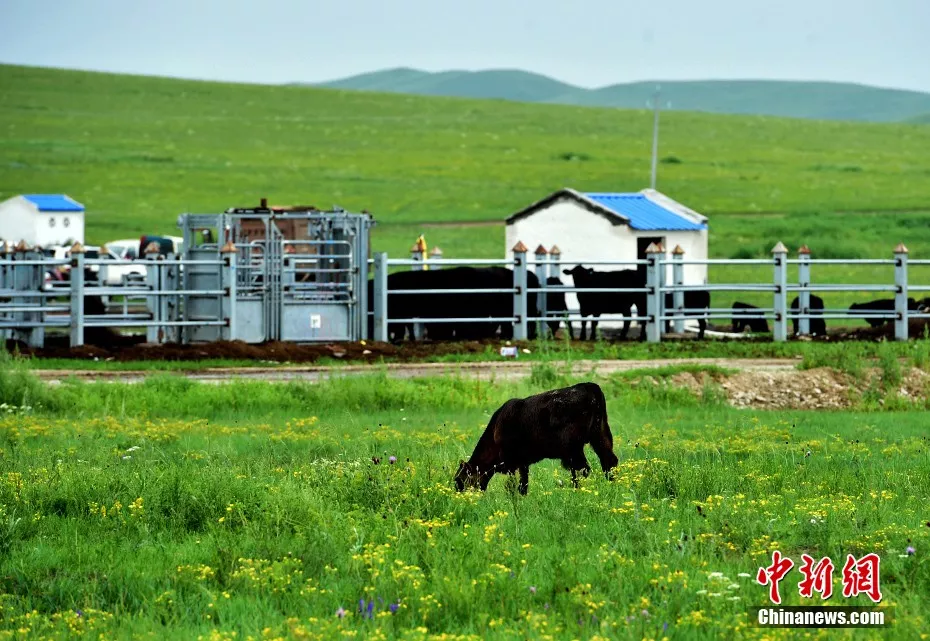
(127,249)
(114,275)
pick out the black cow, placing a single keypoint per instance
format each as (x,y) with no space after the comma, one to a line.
(755,325)
(694,299)
(553,425)
(881,305)
(818,326)
(556,307)
(458,305)
(595,303)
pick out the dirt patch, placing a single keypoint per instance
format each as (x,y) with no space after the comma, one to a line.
(813,389)
(126,348)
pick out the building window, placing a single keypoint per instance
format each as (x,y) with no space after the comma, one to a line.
(51,222)
(66,222)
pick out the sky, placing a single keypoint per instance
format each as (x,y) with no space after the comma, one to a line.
(589,43)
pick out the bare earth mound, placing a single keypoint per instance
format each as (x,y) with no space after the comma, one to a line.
(820,388)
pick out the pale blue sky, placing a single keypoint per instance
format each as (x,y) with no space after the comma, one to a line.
(586,42)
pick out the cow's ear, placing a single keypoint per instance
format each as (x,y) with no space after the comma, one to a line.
(565,271)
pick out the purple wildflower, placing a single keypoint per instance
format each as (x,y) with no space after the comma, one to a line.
(371,608)
(910,550)
(80,613)
(665,626)
(393,607)
(532,589)
(361,605)
(340,612)
(392,460)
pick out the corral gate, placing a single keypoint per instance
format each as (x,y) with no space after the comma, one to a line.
(301,276)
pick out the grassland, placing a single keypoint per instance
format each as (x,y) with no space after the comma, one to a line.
(137,151)
(181,510)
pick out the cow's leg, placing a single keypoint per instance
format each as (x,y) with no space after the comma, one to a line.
(594,318)
(524,485)
(702,325)
(584,327)
(577,462)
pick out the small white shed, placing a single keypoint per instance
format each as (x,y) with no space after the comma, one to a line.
(610,226)
(42,219)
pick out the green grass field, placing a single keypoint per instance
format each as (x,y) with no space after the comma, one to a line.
(137,151)
(190,511)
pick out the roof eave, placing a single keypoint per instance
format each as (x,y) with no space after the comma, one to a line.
(592,206)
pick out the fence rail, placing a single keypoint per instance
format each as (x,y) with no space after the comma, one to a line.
(242,275)
(656,291)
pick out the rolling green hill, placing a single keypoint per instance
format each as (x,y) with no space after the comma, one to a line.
(817,100)
(137,151)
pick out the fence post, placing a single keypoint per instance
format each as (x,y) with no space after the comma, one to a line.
(435,254)
(542,273)
(36,282)
(900,296)
(555,261)
(5,279)
(416,253)
(780,263)
(678,278)
(380,302)
(77,295)
(230,258)
(804,296)
(519,297)
(19,276)
(152,273)
(653,307)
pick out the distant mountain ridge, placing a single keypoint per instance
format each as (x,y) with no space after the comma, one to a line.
(814,100)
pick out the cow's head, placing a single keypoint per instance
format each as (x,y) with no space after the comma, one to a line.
(467,477)
(577,270)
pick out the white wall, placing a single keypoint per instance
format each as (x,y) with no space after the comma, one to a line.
(584,236)
(20,220)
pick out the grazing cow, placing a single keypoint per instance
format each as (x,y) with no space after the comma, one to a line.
(553,425)
(695,299)
(818,326)
(881,305)
(755,325)
(595,303)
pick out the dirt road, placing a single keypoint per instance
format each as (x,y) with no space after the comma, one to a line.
(483,370)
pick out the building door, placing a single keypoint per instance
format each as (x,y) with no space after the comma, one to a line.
(643,243)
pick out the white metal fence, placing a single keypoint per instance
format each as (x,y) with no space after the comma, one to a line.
(29,305)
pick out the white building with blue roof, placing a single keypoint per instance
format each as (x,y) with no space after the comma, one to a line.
(610,226)
(42,219)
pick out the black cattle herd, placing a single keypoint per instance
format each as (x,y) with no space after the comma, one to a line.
(591,305)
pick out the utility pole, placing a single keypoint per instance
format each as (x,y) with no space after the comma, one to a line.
(655,135)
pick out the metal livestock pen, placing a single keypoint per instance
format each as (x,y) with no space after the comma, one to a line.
(251,283)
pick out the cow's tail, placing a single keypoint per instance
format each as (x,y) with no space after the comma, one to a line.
(603,441)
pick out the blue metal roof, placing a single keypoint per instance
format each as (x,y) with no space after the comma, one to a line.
(643,213)
(53,202)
